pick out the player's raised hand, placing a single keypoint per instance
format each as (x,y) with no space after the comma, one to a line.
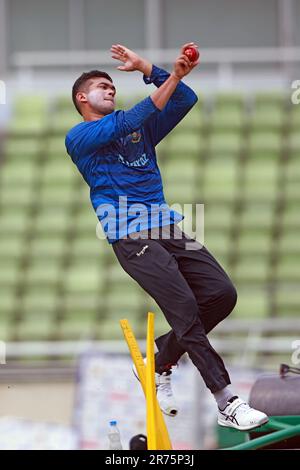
(131,61)
(183,65)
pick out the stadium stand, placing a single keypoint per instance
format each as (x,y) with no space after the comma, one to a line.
(238,155)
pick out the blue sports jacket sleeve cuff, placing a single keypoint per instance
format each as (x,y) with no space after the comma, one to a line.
(156,73)
(182,92)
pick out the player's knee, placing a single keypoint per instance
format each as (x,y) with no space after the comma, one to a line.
(229,298)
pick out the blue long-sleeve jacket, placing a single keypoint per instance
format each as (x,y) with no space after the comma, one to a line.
(116,157)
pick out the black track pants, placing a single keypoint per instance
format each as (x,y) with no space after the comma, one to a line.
(192,290)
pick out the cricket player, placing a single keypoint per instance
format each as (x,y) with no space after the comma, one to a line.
(115,153)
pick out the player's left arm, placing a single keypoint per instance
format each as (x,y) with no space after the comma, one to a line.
(181,101)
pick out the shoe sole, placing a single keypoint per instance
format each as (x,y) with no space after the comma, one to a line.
(227,424)
(173,412)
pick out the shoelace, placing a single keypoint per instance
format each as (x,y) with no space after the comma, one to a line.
(243,406)
(165,384)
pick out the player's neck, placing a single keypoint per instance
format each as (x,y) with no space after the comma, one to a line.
(92,116)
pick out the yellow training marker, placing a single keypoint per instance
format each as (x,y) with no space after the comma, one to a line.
(150,386)
(162,435)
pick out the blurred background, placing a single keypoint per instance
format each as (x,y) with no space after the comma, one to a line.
(62,292)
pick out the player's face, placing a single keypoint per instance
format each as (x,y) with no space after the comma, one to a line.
(101,95)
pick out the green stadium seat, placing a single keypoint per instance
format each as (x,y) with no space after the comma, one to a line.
(260,180)
(13,222)
(21,197)
(288,268)
(35,326)
(80,316)
(227,119)
(17,173)
(217,242)
(229,101)
(82,277)
(179,193)
(256,242)
(292,190)
(63,103)
(295,117)
(39,300)
(193,121)
(179,172)
(292,168)
(251,303)
(84,302)
(58,173)
(81,195)
(288,243)
(20,149)
(52,221)
(29,114)
(85,221)
(251,269)
(88,247)
(7,302)
(28,125)
(287,298)
(77,326)
(11,247)
(57,197)
(267,118)
(294,143)
(265,143)
(232,120)
(116,274)
(10,273)
(220,178)
(290,217)
(218,216)
(127,301)
(181,144)
(130,295)
(45,247)
(43,273)
(6,329)
(221,143)
(264,99)
(55,148)
(257,215)
(110,329)
(30,105)
(63,121)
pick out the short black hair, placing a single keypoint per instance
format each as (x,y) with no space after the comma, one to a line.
(82,79)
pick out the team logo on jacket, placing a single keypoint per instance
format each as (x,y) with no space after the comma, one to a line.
(138,162)
(136,137)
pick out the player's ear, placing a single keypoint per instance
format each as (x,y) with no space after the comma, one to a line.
(81,97)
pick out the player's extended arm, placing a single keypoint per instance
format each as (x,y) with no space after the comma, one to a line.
(180,103)
(177,103)
(132,61)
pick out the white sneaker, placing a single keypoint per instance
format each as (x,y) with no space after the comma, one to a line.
(164,392)
(239,415)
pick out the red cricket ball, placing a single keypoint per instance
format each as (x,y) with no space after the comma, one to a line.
(192,53)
